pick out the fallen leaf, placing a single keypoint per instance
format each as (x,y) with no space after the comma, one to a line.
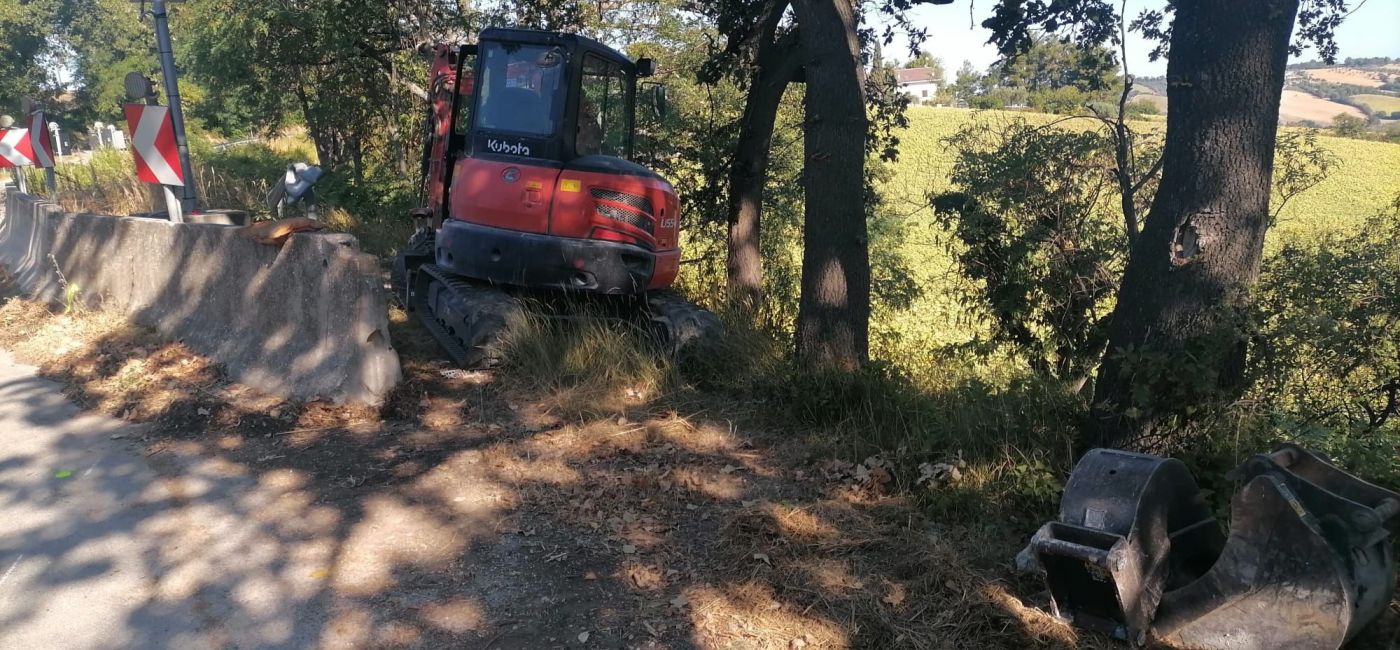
(590,576)
(202,411)
(762,557)
(896,596)
(583,637)
(629,549)
(63,473)
(118,436)
(730,469)
(680,601)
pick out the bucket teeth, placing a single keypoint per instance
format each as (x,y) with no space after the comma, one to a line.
(1134,553)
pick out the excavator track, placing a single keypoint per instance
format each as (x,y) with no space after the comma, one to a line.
(682,328)
(468,320)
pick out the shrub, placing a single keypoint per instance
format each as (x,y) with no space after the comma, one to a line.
(1327,355)
(1039,232)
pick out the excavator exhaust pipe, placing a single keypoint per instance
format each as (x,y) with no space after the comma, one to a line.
(1135,553)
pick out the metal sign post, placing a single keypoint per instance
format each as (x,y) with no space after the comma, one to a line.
(172,95)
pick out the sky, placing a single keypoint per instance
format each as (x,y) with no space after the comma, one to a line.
(953,36)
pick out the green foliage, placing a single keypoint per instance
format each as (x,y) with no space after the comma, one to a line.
(1040,232)
(1301,162)
(1137,109)
(22,46)
(1349,126)
(1327,355)
(107,40)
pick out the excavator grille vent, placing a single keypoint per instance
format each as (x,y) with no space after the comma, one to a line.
(626,216)
(639,202)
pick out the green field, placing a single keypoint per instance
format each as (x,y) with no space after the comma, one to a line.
(1383,103)
(1365,180)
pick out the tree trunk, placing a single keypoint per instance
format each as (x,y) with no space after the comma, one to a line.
(833,316)
(775,65)
(1177,339)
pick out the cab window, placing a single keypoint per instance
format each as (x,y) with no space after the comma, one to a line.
(604,120)
(519,88)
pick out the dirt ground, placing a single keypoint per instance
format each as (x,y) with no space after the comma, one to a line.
(1299,106)
(465,514)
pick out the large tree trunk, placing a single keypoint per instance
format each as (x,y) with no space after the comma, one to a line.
(833,316)
(1177,339)
(775,65)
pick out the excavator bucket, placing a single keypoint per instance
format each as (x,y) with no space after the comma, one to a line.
(1307,562)
(1128,523)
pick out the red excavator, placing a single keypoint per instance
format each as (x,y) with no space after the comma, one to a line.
(530,189)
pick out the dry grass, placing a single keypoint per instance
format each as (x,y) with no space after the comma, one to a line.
(1350,76)
(1300,106)
(696,530)
(106,183)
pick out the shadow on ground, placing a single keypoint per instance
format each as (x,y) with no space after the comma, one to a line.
(466,515)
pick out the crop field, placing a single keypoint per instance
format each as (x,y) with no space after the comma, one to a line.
(1366,179)
(1352,76)
(1384,103)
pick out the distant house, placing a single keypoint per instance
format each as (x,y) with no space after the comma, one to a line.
(918,83)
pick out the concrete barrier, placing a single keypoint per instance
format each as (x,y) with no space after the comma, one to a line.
(308,319)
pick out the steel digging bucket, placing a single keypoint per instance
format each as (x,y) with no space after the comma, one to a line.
(1307,563)
(1127,523)
(1135,553)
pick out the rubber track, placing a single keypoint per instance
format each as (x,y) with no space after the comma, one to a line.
(683,327)
(468,320)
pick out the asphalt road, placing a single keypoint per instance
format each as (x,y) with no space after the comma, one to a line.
(102,547)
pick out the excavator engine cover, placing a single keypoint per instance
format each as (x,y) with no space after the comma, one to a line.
(1135,553)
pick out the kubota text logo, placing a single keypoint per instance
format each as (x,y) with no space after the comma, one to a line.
(501,146)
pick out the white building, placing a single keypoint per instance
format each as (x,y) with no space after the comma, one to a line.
(918,83)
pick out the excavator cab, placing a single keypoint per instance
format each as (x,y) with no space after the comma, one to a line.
(529,185)
(528,172)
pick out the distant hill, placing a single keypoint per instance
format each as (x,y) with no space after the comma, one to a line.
(1317,93)
(1369,77)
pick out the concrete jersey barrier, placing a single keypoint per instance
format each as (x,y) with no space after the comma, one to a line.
(308,319)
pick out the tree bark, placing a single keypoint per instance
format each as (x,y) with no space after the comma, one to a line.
(833,317)
(1176,341)
(775,65)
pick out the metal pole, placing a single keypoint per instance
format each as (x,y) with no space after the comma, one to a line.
(172,206)
(50,177)
(172,94)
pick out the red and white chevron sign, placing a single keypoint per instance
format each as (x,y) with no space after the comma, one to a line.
(39,140)
(153,144)
(15,148)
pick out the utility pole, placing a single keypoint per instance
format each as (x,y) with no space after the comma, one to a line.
(172,96)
